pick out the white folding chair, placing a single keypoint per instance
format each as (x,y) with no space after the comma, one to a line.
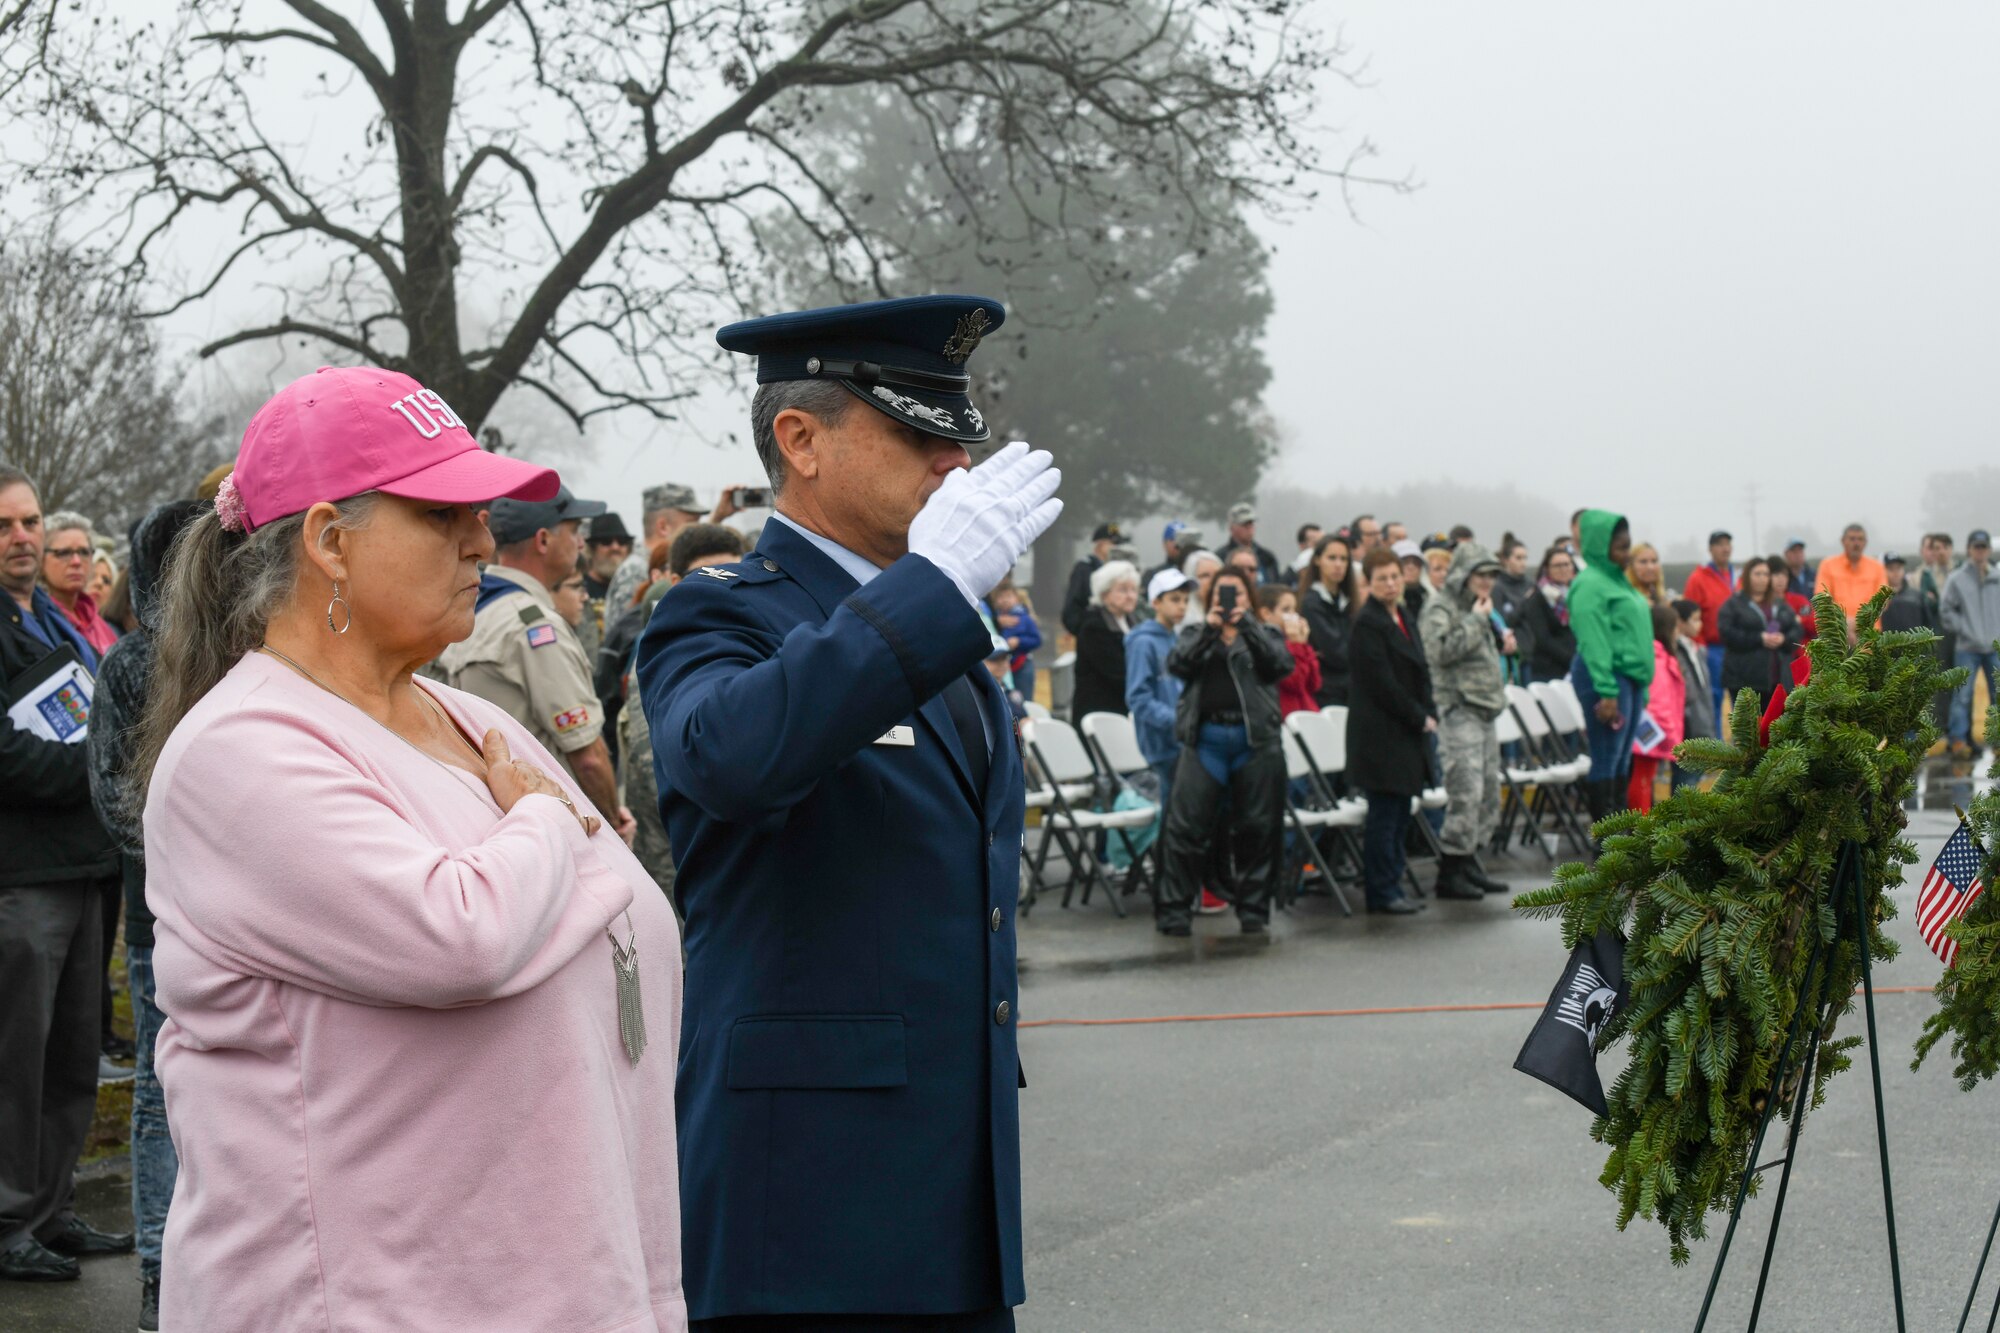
(1039,712)
(1326,743)
(1115,739)
(1067,763)
(1324,814)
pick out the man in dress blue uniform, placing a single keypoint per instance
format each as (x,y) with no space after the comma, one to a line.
(841,782)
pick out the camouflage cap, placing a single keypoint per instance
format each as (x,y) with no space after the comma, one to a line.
(671,495)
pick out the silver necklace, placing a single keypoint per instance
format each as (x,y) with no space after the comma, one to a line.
(624,958)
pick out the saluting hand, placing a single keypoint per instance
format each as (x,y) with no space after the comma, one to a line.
(978,523)
(509,779)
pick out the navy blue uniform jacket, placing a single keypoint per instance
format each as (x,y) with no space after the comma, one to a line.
(847,1105)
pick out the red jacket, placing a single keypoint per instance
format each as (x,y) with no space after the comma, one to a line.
(1296,691)
(1709,590)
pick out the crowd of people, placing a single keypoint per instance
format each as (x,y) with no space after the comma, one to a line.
(1209,651)
(1416,639)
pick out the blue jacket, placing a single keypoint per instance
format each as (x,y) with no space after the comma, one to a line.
(848,1114)
(1151,695)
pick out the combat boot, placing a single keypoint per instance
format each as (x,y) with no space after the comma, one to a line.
(1453,882)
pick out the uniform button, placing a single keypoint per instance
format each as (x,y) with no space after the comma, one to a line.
(1002,1012)
(771,566)
(989,839)
(993,921)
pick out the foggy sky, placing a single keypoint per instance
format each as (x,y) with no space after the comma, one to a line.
(1659,255)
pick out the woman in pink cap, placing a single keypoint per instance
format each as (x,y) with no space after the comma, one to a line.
(423,1008)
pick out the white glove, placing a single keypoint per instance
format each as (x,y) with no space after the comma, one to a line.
(976,525)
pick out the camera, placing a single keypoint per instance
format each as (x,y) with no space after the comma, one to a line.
(753,497)
(1225,597)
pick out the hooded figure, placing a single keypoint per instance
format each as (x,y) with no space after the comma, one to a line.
(1614,653)
(1471,691)
(115,710)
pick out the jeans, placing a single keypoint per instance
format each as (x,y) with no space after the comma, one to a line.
(1024,679)
(1223,750)
(1610,747)
(1382,856)
(1961,699)
(154,1164)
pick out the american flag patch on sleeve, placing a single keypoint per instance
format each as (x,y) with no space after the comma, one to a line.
(542,635)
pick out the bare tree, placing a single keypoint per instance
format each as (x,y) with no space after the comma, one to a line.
(598,170)
(86,408)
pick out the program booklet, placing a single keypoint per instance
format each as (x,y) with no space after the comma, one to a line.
(51,699)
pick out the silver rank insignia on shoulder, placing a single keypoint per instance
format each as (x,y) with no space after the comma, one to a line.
(718,573)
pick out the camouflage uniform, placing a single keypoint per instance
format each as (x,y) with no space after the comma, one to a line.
(1471,691)
(642,791)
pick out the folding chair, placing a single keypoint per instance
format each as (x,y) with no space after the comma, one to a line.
(1323,814)
(1326,745)
(1115,740)
(1068,765)
(1554,772)
(1039,712)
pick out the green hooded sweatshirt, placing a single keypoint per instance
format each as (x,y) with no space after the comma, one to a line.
(1611,621)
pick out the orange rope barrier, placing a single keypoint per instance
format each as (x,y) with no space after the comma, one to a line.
(1339,1013)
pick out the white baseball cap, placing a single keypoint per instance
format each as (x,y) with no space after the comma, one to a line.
(1166,581)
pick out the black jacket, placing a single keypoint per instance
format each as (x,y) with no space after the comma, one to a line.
(1746,663)
(1257,661)
(1388,699)
(1547,645)
(1331,626)
(122,690)
(48,830)
(1076,598)
(1511,593)
(1100,666)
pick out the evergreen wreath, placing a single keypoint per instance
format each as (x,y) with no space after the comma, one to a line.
(1721,896)
(1968,993)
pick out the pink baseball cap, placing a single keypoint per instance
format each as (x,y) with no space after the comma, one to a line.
(343,430)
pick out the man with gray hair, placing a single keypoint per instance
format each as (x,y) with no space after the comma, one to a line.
(53,880)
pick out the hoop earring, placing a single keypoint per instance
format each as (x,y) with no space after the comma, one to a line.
(346,611)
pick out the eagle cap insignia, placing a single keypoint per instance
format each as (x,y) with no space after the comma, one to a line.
(965,338)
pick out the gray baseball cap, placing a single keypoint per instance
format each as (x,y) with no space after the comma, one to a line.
(513,521)
(1243,513)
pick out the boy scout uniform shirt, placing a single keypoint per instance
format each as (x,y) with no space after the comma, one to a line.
(522,657)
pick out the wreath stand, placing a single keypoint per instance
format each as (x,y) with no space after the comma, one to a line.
(1852,916)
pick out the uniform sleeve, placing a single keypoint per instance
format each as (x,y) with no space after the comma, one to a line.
(285,859)
(746,718)
(556,679)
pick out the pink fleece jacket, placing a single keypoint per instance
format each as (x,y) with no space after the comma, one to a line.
(391,1056)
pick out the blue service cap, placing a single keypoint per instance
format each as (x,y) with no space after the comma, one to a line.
(1173,531)
(904,357)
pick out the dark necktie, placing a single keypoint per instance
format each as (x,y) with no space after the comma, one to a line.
(961,699)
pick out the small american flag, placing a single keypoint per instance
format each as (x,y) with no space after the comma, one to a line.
(1949,888)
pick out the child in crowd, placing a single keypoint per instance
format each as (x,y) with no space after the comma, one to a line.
(1698,716)
(1017,626)
(1664,725)
(1278,607)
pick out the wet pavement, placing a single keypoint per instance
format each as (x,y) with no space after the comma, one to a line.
(1388,1171)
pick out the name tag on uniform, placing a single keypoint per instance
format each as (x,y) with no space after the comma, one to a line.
(898,736)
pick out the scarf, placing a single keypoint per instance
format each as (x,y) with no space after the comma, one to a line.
(1557,596)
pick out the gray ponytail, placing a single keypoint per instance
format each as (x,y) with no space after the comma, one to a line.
(216,596)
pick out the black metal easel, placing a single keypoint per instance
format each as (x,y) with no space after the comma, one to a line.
(1847,874)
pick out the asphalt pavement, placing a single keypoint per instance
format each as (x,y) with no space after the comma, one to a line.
(1385,1171)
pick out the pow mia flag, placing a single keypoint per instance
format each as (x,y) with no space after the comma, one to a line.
(1561,1051)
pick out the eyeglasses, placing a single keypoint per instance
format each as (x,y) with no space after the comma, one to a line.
(71,553)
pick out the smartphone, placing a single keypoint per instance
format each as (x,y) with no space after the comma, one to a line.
(1225,597)
(753,497)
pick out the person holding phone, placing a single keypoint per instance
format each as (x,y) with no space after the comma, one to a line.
(1227,722)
